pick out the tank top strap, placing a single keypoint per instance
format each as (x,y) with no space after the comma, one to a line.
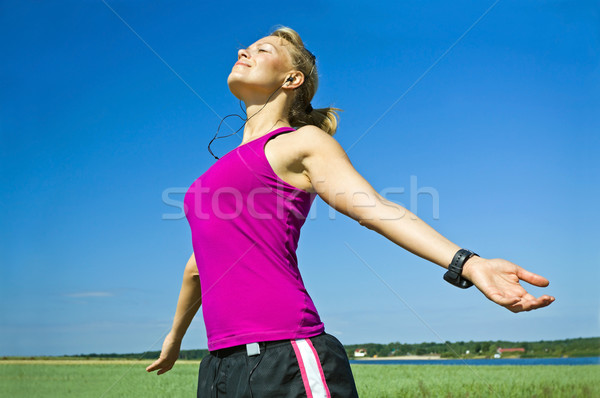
(270,134)
(257,146)
(255,159)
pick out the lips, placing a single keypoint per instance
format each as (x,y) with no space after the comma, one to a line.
(241,63)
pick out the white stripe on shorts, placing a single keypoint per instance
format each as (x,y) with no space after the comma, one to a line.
(310,368)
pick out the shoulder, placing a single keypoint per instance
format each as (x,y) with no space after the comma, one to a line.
(313,141)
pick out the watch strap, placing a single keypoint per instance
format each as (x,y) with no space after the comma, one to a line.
(454,273)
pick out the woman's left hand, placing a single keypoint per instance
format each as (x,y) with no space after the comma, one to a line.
(168,355)
(498,280)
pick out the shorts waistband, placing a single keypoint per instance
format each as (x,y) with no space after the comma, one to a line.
(243,348)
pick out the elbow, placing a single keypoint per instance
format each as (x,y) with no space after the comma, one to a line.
(365,210)
(191,269)
(191,273)
(366,221)
(381,214)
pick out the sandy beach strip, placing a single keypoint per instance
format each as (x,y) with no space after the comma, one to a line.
(402,358)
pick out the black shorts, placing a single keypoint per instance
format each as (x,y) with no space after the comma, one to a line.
(314,367)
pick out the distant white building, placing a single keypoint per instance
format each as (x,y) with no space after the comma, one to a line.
(360,352)
(499,351)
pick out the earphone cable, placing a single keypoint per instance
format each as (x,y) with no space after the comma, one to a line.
(245,121)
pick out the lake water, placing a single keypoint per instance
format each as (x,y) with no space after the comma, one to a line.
(482,362)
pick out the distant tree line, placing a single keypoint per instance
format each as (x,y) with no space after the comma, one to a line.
(580,347)
(183,354)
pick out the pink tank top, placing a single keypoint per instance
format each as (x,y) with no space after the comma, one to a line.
(245,224)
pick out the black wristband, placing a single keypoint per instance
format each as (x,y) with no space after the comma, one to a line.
(454,273)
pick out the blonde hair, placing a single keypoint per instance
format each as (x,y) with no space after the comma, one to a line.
(303,60)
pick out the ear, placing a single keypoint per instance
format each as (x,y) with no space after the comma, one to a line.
(293,84)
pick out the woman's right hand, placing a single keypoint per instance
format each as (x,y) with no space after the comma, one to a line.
(168,355)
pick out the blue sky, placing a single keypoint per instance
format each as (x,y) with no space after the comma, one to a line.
(495,146)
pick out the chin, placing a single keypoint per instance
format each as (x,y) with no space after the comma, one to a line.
(240,86)
(235,86)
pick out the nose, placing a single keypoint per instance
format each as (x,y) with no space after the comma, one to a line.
(243,53)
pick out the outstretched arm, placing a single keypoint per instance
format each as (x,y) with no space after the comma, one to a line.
(337,182)
(188,304)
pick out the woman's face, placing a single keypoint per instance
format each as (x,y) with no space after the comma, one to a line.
(261,68)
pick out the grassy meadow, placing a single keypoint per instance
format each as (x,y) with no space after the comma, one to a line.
(128,378)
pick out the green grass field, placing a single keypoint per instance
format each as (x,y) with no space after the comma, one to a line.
(129,379)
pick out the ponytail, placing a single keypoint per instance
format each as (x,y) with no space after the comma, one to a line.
(324,118)
(301,112)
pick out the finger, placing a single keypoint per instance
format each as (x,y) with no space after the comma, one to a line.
(541,302)
(503,300)
(525,303)
(528,298)
(155,365)
(531,303)
(530,277)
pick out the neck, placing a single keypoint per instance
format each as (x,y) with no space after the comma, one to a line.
(264,118)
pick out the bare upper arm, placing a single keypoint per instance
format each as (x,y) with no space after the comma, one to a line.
(333,176)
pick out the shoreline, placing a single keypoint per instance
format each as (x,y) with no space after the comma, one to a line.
(401,358)
(118,361)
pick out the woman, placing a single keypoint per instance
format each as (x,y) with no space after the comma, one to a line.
(265,336)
